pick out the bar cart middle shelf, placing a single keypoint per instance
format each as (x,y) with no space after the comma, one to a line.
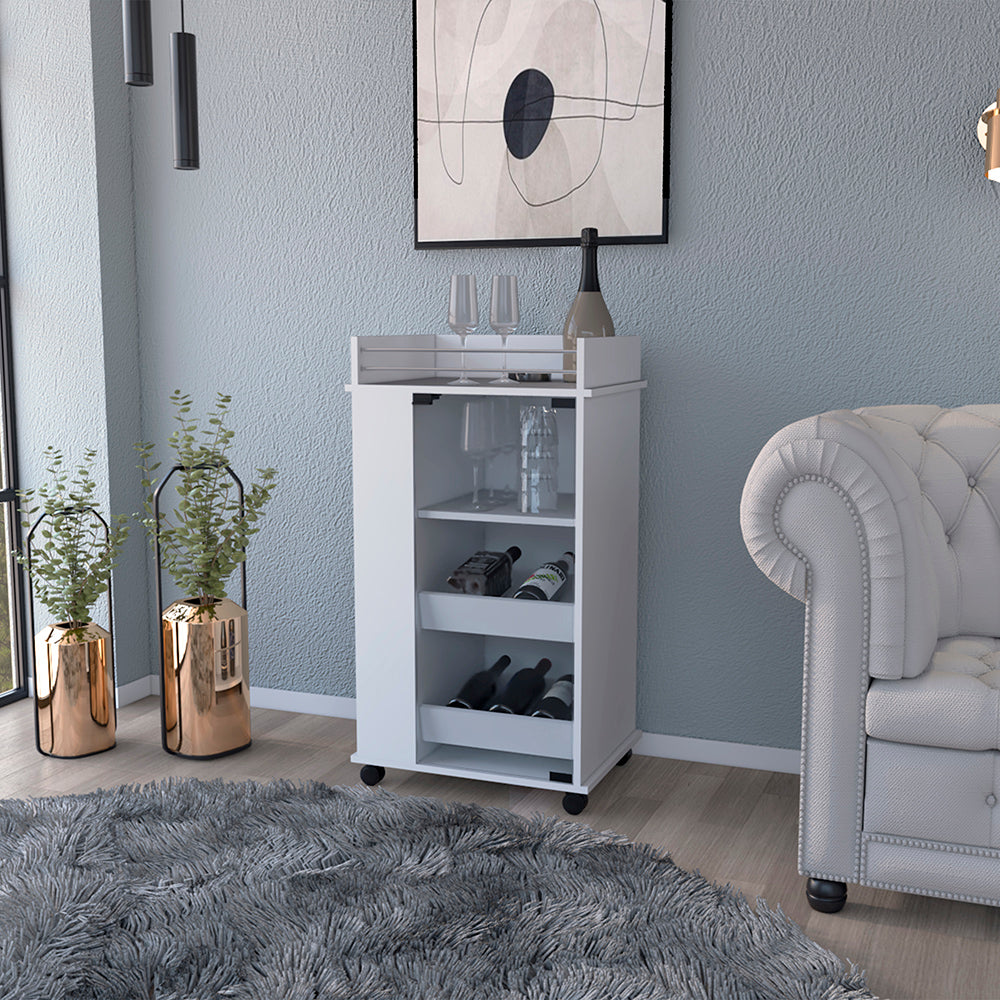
(460,509)
(416,640)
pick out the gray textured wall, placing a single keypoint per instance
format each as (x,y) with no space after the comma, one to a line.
(829,246)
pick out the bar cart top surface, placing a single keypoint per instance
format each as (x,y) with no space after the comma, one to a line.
(432,361)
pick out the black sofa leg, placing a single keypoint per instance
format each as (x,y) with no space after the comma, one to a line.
(827,897)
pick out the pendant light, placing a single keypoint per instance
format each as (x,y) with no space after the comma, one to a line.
(137,30)
(185,75)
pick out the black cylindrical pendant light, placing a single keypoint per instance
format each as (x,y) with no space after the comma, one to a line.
(137,31)
(185,73)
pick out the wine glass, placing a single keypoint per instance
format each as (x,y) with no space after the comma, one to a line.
(463,315)
(476,442)
(499,430)
(507,432)
(504,316)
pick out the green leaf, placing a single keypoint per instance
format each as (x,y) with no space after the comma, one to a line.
(204,538)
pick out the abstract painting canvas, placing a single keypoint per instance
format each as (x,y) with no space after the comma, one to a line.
(536,118)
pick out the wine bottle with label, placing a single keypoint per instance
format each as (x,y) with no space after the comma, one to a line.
(523,688)
(547,580)
(485,573)
(480,687)
(588,316)
(558,700)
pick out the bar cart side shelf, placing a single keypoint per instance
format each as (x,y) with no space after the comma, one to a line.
(417,641)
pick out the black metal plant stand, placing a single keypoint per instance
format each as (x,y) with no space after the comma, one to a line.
(159,596)
(68,511)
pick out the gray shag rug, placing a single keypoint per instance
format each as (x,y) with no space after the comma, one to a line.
(187,890)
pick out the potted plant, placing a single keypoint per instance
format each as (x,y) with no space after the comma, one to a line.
(68,570)
(205,704)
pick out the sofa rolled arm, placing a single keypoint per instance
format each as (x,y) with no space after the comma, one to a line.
(790,541)
(825,514)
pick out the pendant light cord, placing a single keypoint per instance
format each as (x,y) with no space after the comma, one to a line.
(182,15)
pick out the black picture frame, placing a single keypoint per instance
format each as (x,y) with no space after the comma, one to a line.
(446,218)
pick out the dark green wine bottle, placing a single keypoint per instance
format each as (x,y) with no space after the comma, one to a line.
(480,687)
(524,687)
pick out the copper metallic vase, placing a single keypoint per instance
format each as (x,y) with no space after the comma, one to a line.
(74,690)
(206,689)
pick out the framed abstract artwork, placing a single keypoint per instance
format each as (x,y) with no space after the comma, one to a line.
(534,119)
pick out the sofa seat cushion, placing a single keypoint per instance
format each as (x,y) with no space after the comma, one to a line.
(955,703)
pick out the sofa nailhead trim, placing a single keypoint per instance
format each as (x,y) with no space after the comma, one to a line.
(931,845)
(866,592)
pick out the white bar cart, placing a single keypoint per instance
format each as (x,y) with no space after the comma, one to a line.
(417,641)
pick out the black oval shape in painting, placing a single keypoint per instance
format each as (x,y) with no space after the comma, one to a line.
(527,112)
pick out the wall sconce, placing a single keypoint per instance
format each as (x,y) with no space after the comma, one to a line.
(988,131)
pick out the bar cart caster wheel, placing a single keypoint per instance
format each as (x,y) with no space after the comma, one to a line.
(574,803)
(826,896)
(372,774)
(625,759)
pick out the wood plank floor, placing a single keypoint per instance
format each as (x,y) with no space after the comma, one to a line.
(734,825)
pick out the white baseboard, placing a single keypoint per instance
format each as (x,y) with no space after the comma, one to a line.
(284,701)
(137,690)
(125,694)
(298,701)
(650,745)
(719,752)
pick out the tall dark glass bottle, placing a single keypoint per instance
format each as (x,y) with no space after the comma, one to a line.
(524,687)
(588,316)
(558,700)
(480,687)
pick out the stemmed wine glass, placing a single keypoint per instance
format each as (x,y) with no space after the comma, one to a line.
(463,315)
(504,316)
(506,441)
(476,442)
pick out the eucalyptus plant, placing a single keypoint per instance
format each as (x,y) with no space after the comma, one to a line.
(204,539)
(72,558)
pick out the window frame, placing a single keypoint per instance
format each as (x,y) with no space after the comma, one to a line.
(19,639)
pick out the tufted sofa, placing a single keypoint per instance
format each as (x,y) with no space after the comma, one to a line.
(885,521)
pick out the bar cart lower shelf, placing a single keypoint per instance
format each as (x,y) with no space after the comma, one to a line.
(417,642)
(453,762)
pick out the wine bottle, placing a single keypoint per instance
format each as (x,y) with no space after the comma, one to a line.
(547,580)
(588,316)
(480,687)
(558,700)
(523,688)
(485,573)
